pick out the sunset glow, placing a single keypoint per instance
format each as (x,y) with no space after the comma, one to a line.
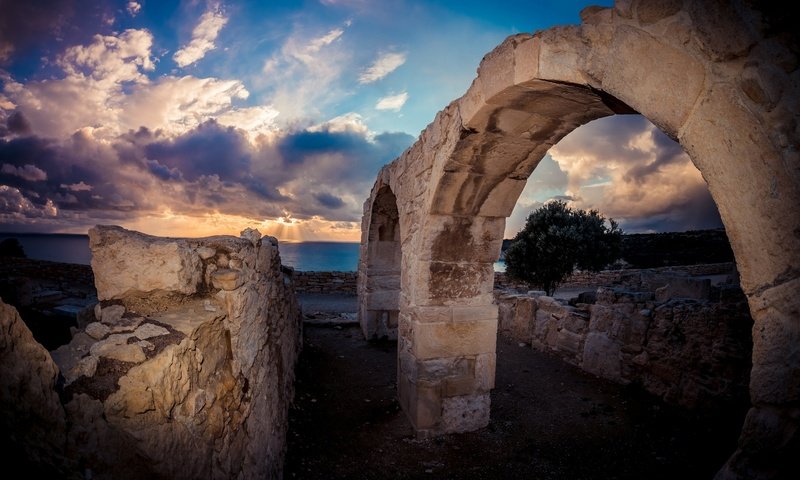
(200,118)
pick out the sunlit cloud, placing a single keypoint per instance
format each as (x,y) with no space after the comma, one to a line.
(203,37)
(77,187)
(382,66)
(301,76)
(133,8)
(27,172)
(392,102)
(627,169)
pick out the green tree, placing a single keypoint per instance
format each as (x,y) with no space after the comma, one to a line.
(10,247)
(556,240)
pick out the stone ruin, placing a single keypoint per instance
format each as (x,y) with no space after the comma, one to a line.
(680,338)
(185,371)
(722,77)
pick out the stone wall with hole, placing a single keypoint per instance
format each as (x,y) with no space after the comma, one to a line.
(678,337)
(186,371)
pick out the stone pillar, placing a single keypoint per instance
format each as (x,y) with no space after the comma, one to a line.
(446,367)
(448,332)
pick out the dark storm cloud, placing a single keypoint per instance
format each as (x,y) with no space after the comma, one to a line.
(210,149)
(360,158)
(210,168)
(18,124)
(668,151)
(697,211)
(28,28)
(328,200)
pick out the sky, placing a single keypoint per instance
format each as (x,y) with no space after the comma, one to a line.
(201,117)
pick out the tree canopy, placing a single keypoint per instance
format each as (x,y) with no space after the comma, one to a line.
(10,247)
(556,240)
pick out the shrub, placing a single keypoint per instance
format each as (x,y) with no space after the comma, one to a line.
(557,239)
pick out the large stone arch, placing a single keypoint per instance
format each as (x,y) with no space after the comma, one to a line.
(716,76)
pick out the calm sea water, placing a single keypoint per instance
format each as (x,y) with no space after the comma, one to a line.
(303,256)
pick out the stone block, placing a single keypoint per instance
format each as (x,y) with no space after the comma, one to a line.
(524,314)
(150,264)
(436,340)
(601,356)
(472,313)
(775,377)
(526,60)
(227,279)
(465,413)
(568,342)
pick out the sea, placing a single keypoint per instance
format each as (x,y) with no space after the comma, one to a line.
(302,256)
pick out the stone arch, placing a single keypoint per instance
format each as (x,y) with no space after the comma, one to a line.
(379,270)
(714,75)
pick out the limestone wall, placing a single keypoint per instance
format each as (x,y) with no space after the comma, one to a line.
(325,282)
(188,369)
(689,351)
(627,278)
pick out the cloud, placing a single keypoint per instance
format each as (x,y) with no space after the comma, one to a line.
(89,94)
(28,172)
(133,8)
(349,122)
(382,66)
(24,24)
(203,37)
(110,59)
(176,105)
(392,102)
(105,88)
(313,176)
(329,200)
(628,169)
(302,76)
(14,205)
(77,187)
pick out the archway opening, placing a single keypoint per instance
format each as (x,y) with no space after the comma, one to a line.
(380,308)
(680,332)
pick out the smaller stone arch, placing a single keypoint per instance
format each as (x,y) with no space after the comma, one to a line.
(379,269)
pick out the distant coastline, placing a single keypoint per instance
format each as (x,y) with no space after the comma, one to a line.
(302,256)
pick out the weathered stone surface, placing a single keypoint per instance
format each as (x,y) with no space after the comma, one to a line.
(465,413)
(131,353)
(97,330)
(31,414)
(601,356)
(719,76)
(150,264)
(148,330)
(112,314)
(212,399)
(125,324)
(69,357)
(206,252)
(226,279)
(689,352)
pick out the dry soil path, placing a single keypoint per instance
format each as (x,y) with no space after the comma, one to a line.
(549,421)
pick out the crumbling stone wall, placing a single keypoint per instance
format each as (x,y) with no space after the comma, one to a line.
(187,370)
(690,349)
(325,282)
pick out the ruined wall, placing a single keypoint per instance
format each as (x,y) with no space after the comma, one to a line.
(689,351)
(325,282)
(188,370)
(626,278)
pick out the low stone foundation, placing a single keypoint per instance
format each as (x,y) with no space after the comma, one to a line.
(679,338)
(325,282)
(186,371)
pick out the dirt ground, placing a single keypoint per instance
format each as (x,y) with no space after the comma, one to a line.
(549,421)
